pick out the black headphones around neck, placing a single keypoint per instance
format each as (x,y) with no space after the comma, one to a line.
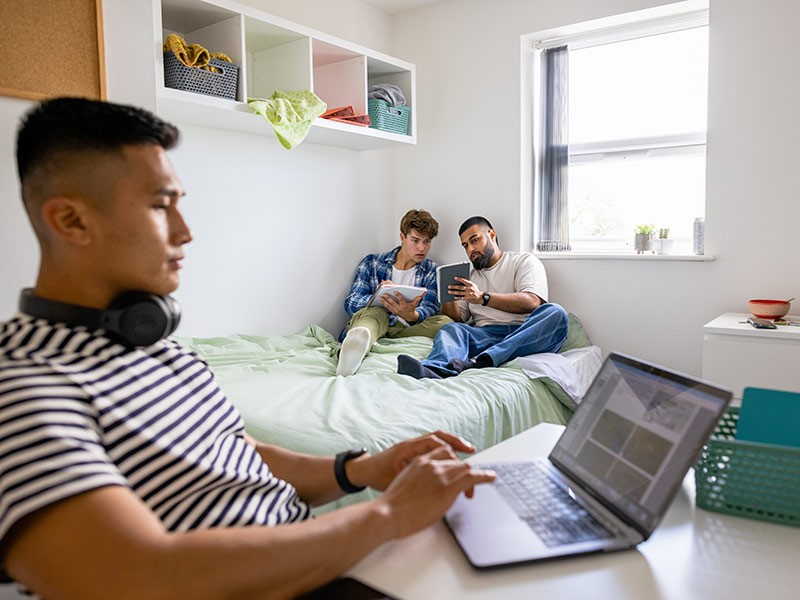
(135,318)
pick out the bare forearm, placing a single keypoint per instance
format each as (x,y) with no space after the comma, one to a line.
(277,562)
(516,302)
(450,309)
(312,476)
(86,548)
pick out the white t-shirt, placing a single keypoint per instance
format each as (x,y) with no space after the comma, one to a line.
(404,277)
(514,272)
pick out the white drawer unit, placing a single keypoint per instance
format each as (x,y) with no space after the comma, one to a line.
(737,355)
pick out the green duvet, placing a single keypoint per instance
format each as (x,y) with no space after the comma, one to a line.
(288,393)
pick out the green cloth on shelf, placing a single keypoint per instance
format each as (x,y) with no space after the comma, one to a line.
(290,114)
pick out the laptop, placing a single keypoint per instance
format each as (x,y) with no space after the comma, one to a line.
(609,479)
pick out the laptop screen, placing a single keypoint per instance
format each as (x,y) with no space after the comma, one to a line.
(635,435)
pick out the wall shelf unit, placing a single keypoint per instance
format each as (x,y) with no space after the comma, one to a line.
(273,54)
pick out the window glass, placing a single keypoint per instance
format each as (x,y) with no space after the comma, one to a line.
(637,125)
(609,198)
(645,87)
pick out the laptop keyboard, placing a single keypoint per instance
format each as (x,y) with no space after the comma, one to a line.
(547,508)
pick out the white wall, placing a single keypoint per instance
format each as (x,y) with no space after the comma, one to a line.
(467,162)
(277,233)
(349,20)
(19,255)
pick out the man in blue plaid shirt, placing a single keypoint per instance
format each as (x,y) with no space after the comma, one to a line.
(398,317)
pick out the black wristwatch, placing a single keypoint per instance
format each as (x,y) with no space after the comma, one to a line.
(341,474)
(486,297)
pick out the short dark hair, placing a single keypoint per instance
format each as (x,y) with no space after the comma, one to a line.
(472,221)
(72,125)
(422,221)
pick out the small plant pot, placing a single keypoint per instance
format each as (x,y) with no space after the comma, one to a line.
(643,242)
(663,246)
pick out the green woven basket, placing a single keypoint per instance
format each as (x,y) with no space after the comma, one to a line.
(388,118)
(747,479)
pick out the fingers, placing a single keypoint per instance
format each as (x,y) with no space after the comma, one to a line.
(476,477)
(393,304)
(455,470)
(397,302)
(421,494)
(458,291)
(467,291)
(457,443)
(439,445)
(462,477)
(482,475)
(441,453)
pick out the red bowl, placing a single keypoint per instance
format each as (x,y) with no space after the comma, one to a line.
(769,309)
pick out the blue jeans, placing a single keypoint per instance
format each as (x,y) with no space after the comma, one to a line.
(544,330)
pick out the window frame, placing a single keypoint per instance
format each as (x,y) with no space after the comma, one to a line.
(584,36)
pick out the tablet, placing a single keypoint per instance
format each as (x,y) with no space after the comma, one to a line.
(446,274)
(409,292)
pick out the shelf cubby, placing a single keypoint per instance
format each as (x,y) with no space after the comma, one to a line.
(272,54)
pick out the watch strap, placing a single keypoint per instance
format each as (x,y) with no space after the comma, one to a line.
(486,297)
(340,472)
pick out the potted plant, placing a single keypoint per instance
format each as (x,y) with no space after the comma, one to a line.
(644,238)
(663,245)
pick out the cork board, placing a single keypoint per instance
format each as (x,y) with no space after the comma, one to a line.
(52,48)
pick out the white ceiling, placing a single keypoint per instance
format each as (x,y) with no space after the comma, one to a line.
(395,7)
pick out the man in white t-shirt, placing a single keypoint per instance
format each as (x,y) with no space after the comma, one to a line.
(502,312)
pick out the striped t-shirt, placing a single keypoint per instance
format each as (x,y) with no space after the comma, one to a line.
(79,411)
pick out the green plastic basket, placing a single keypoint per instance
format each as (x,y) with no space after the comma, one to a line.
(748,479)
(388,118)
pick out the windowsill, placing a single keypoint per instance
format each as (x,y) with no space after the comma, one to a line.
(645,257)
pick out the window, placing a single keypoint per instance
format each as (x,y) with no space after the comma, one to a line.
(633,119)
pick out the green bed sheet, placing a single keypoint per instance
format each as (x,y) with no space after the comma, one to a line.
(288,393)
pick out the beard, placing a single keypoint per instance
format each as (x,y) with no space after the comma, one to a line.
(482,261)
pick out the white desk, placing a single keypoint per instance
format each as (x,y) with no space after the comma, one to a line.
(693,554)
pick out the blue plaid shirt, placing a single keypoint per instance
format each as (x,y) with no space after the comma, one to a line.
(375,268)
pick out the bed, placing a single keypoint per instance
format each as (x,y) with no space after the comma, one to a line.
(286,389)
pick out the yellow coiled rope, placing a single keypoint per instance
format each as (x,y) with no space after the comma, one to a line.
(193,55)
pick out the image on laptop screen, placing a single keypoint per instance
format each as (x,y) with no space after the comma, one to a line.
(636,433)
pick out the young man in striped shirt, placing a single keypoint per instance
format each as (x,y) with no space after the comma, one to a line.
(124,470)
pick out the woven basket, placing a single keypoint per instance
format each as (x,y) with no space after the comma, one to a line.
(192,79)
(748,479)
(388,118)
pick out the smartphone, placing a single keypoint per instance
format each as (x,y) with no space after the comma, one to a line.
(761,323)
(346,588)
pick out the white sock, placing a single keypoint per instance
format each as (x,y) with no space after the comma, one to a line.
(354,348)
